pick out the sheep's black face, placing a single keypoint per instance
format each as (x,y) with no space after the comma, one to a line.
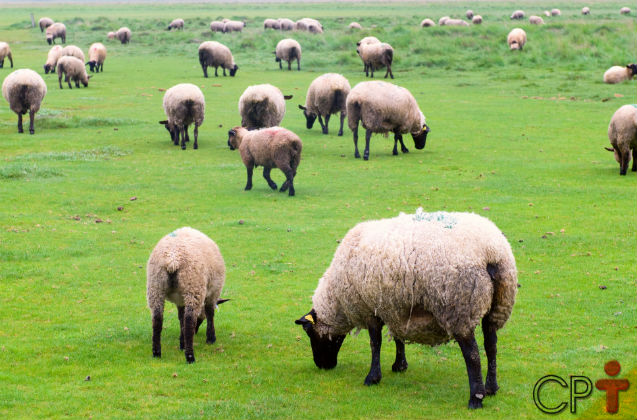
(633,68)
(309,117)
(49,40)
(324,349)
(47,68)
(232,139)
(420,139)
(233,70)
(174,133)
(91,65)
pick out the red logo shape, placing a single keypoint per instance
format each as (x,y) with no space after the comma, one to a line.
(612,386)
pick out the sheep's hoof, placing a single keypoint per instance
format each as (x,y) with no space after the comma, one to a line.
(357,155)
(291,193)
(211,340)
(340,133)
(157,354)
(274,186)
(491,389)
(475,402)
(190,358)
(248,188)
(405,150)
(20,130)
(394,152)
(372,379)
(400,366)
(32,131)
(366,157)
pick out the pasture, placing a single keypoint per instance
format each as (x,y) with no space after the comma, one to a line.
(517,137)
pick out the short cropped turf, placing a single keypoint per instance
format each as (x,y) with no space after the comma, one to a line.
(517,137)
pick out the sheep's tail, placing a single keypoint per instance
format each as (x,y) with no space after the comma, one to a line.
(338,103)
(295,154)
(202,58)
(505,286)
(388,54)
(353,114)
(294,53)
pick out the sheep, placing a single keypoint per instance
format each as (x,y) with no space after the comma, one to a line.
(516,39)
(186,268)
(271,24)
(72,51)
(44,23)
(52,59)
(123,34)
(326,95)
(618,74)
(469,14)
(556,12)
(383,107)
(215,54)
(355,25)
(476,20)
(430,277)
(376,56)
(176,24)
(586,10)
(455,22)
(73,69)
(286,24)
(5,52)
(288,50)
(262,106)
(216,26)
(547,13)
(624,11)
(310,25)
(536,20)
(110,35)
(426,23)
(24,90)
(273,147)
(442,20)
(233,26)
(518,14)
(366,41)
(184,104)
(622,133)
(56,30)
(96,57)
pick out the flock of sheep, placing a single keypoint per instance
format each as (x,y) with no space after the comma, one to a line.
(430,277)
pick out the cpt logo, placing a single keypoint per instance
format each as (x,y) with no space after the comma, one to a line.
(581,387)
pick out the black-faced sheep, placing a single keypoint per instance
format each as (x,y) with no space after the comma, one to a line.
(476,20)
(624,10)
(426,23)
(73,69)
(216,26)
(618,74)
(622,133)
(44,23)
(442,20)
(123,34)
(262,106)
(5,52)
(233,26)
(286,24)
(56,30)
(556,12)
(273,147)
(430,277)
(354,25)
(52,59)
(455,22)
(376,56)
(586,10)
(326,95)
(96,57)
(518,14)
(536,20)
(516,39)
(288,50)
(176,24)
(184,104)
(215,54)
(186,268)
(382,108)
(469,14)
(271,24)
(309,25)
(24,90)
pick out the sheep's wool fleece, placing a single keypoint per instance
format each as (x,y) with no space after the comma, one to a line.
(198,265)
(35,90)
(322,92)
(622,130)
(177,97)
(424,274)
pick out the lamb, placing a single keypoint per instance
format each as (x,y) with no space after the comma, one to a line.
(233,26)
(24,90)
(426,23)
(376,56)
(215,54)
(216,26)
(469,14)
(262,106)
(56,30)
(624,10)
(73,69)
(430,277)
(383,107)
(123,34)
(586,10)
(176,24)
(184,104)
(477,20)
(516,39)
(52,59)
(618,74)
(455,22)
(186,268)
(286,24)
(44,23)
(273,147)
(5,52)
(556,12)
(288,50)
(72,51)
(536,20)
(271,24)
(622,133)
(96,57)
(518,14)
(326,95)
(355,25)
(111,35)
(442,20)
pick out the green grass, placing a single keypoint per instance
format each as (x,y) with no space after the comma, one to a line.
(517,137)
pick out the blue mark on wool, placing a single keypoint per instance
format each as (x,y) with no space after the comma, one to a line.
(446,219)
(173,234)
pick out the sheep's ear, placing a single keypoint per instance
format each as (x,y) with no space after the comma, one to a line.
(610,149)
(302,107)
(220,301)
(288,97)
(232,133)
(164,122)
(307,319)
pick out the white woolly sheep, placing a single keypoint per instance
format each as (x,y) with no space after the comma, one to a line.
(355,25)
(288,50)
(56,30)
(52,59)
(469,14)
(73,69)
(96,57)
(618,74)
(44,23)
(186,268)
(376,56)
(123,34)
(326,95)
(111,35)
(24,90)
(262,106)
(184,104)
(382,108)
(216,26)
(455,22)
(426,23)
(536,20)
(225,20)
(430,277)
(556,12)
(622,133)
(309,25)
(72,51)
(586,10)
(176,24)
(5,52)
(271,24)
(366,41)
(516,39)
(547,13)
(518,14)
(286,24)
(233,26)
(624,11)
(442,20)
(476,20)
(215,54)
(273,147)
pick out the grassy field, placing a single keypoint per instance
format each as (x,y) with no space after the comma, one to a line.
(516,137)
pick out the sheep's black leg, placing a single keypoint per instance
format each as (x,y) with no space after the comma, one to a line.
(368,136)
(180,315)
(323,125)
(402,145)
(158,320)
(67,79)
(340,131)
(289,179)
(366,70)
(224,71)
(290,65)
(211,337)
(20,130)
(355,132)
(280,65)
(491,347)
(204,67)
(327,123)
(298,64)
(182,130)
(216,75)
(186,130)
(389,72)
(471,356)
(375,327)
(634,168)
(196,134)
(31,118)
(249,168)
(395,151)
(189,332)
(371,71)
(400,365)
(60,79)
(266,175)
(624,158)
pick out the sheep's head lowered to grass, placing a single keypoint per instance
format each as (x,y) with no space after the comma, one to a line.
(324,348)
(310,117)
(420,138)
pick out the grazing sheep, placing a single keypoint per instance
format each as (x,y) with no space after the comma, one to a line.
(186,268)
(516,39)
(376,56)
(624,11)
(556,12)
(442,20)
(5,52)
(72,51)
(56,30)
(382,108)
(455,22)
(476,20)
(184,104)
(430,277)
(366,41)
(44,23)
(355,25)
(123,34)
(586,11)
(426,23)
(469,14)
(309,25)
(326,95)
(176,24)
(271,24)
(215,54)
(518,14)
(288,50)
(52,59)
(24,90)
(96,57)
(262,106)
(216,26)
(618,74)
(536,20)
(111,35)
(286,24)
(273,147)
(622,133)
(233,26)
(73,70)
(547,13)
